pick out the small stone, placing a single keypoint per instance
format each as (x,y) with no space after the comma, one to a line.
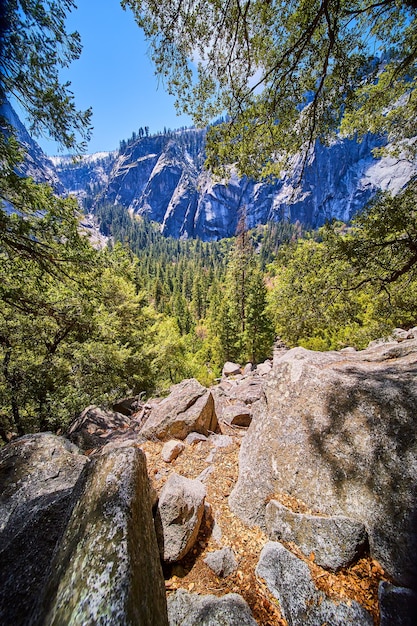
(203,476)
(221,441)
(193,438)
(222,562)
(216,532)
(171,450)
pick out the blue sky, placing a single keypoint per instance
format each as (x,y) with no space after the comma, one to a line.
(115,76)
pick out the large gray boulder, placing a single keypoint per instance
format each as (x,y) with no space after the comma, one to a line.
(335,541)
(189,407)
(107,570)
(188,609)
(178,517)
(95,427)
(338,431)
(37,478)
(302,604)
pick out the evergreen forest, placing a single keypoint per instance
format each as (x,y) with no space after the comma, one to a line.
(80,325)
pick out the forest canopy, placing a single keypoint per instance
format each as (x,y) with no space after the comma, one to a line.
(285,73)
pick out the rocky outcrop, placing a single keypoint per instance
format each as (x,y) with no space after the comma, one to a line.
(236,396)
(302,604)
(187,609)
(107,569)
(163,177)
(178,517)
(188,408)
(87,175)
(334,542)
(338,432)
(328,460)
(37,478)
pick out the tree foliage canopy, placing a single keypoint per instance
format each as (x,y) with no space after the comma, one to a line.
(381,243)
(34,45)
(285,73)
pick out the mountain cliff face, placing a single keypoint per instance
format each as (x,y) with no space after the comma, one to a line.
(163,177)
(84,176)
(35,164)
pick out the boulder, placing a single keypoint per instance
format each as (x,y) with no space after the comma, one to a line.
(128,406)
(178,517)
(189,407)
(264,368)
(222,562)
(248,390)
(302,604)
(171,450)
(95,427)
(399,334)
(336,542)
(107,570)
(397,605)
(188,609)
(230,369)
(338,432)
(237,415)
(37,478)
(206,473)
(247,369)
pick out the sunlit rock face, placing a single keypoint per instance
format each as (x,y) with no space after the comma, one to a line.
(163,178)
(337,431)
